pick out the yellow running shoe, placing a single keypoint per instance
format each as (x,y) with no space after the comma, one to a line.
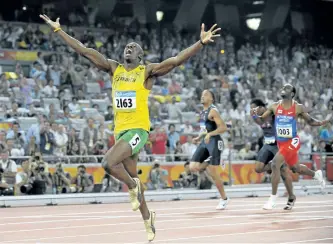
(135,195)
(150,228)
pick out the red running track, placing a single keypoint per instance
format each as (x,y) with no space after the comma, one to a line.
(197,221)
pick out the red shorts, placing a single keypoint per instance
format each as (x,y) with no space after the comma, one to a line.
(289,150)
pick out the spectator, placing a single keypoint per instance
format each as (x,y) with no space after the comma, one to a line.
(47,140)
(174,111)
(187,128)
(50,90)
(8,171)
(2,137)
(4,86)
(32,147)
(89,135)
(187,178)
(61,140)
(178,152)
(74,107)
(84,181)
(246,153)
(110,184)
(17,135)
(173,137)
(22,177)
(326,133)
(61,180)
(13,113)
(154,111)
(189,148)
(158,138)
(109,115)
(306,142)
(174,88)
(157,177)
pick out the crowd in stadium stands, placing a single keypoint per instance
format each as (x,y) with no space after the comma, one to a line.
(70,99)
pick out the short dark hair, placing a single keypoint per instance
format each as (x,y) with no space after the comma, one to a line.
(258,102)
(213,94)
(81,166)
(187,163)
(172,125)
(294,91)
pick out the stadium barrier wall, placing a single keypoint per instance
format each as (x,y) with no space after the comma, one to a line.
(242,172)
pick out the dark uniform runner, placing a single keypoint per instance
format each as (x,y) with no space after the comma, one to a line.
(208,154)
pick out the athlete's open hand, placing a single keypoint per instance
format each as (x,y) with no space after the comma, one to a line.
(208,36)
(196,140)
(51,23)
(254,111)
(207,138)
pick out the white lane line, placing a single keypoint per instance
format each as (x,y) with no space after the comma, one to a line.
(240,233)
(313,240)
(171,215)
(161,209)
(224,217)
(166,229)
(167,215)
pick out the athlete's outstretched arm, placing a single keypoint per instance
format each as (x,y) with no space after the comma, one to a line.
(221,125)
(94,56)
(261,119)
(308,119)
(160,69)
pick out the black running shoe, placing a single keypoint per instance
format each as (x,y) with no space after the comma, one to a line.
(290,204)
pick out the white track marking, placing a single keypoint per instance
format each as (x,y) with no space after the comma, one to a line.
(323,239)
(170,215)
(161,209)
(295,215)
(73,215)
(242,233)
(175,228)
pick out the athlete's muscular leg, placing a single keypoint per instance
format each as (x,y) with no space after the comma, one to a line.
(130,166)
(261,167)
(287,179)
(302,170)
(212,170)
(112,162)
(275,177)
(194,167)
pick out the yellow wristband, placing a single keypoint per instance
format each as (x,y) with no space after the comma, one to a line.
(57,29)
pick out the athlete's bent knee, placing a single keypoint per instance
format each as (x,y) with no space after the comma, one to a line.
(259,168)
(274,165)
(283,172)
(296,169)
(194,167)
(106,166)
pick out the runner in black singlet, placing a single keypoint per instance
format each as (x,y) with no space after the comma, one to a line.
(268,151)
(208,154)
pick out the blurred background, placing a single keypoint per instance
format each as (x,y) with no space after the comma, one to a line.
(56,119)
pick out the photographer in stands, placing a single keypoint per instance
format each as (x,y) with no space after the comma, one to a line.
(187,178)
(61,180)
(110,184)
(39,179)
(22,177)
(8,171)
(84,182)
